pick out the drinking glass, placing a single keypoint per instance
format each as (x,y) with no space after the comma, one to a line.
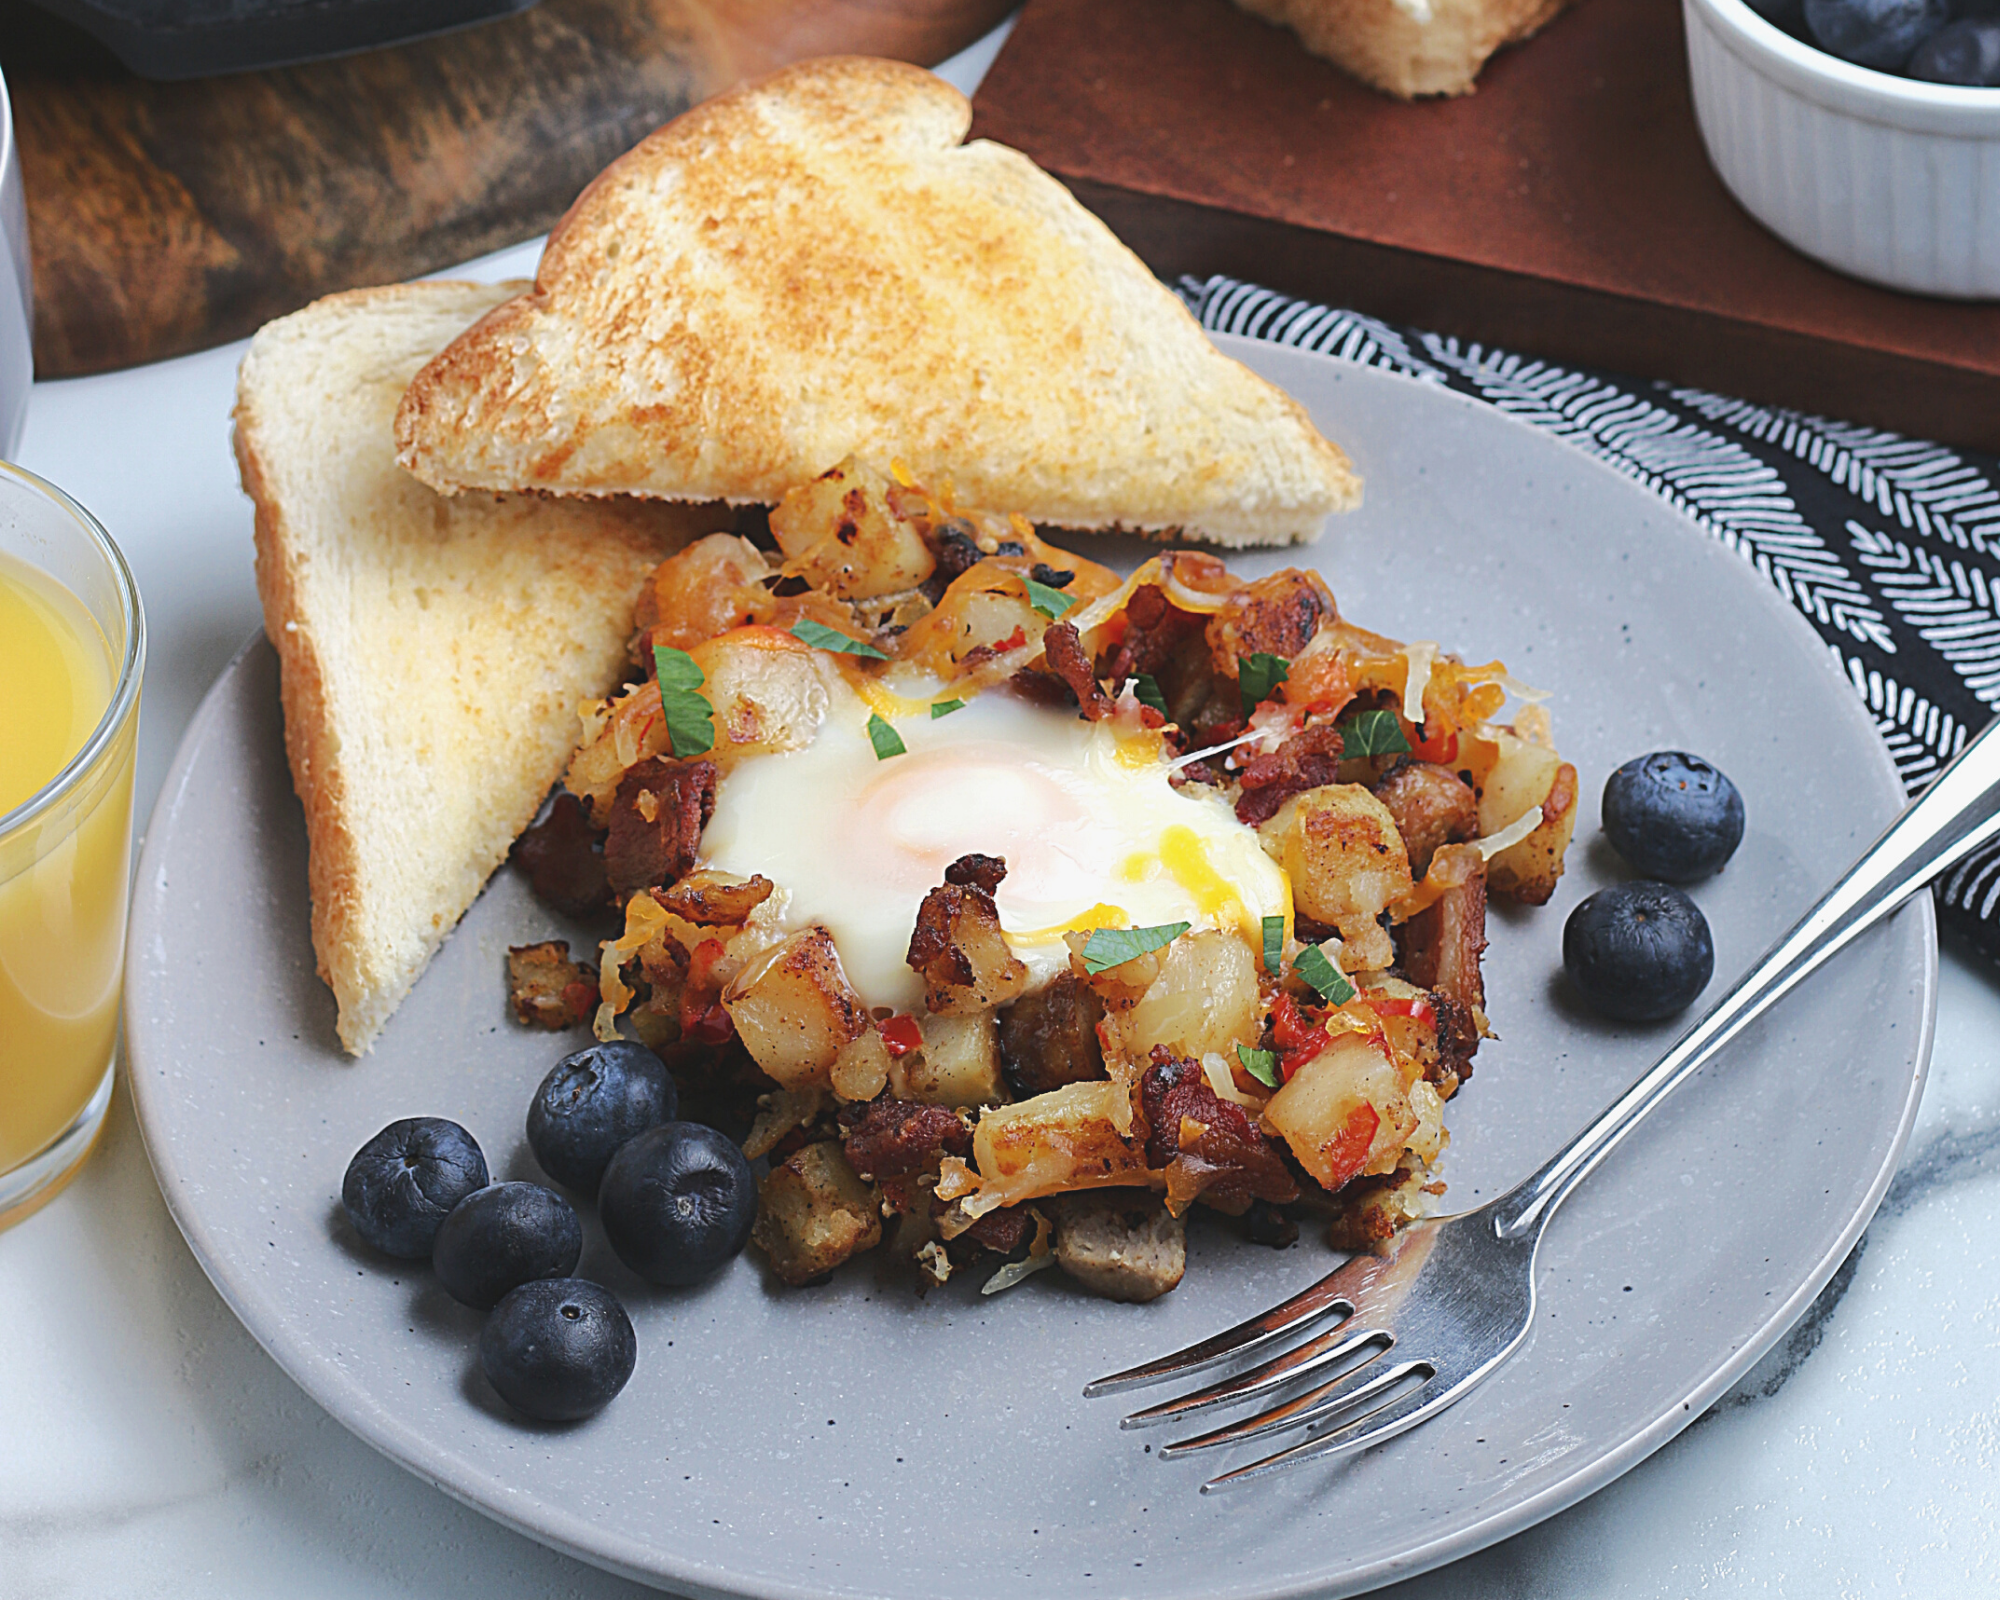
(65,868)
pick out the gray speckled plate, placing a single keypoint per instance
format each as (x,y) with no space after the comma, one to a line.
(855,1440)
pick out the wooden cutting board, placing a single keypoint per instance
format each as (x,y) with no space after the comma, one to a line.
(1566,209)
(167,217)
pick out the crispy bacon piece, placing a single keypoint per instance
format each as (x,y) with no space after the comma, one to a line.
(1208,1146)
(1278,614)
(1442,943)
(1049,1038)
(563,858)
(547,989)
(955,543)
(1310,758)
(1432,806)
(1041,688)
(1457,1039)
(1064,648)
(957,946)
(702,1017)
(1155,631)
(656,820)
(715,904)
(1006,1232)
(895,1142)
(977,871)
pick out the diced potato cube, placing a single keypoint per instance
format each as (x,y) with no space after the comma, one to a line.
(779,1114)
(1345,1113)
(963,956)
(1521,776)
(959,1064)
(1527,871)
(861,1070)
(768,690)
(1339,846)
(794,1010)
(840,534)
(1065,1139)
(985,613)
(1202,1000)
(715,584)
(813,1213)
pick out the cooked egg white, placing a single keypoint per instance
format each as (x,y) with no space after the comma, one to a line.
(1092,832)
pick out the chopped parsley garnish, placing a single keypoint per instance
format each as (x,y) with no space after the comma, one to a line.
(821,637)
(1113,947)
(886,740)
(1372,733)
(1274,942)
(1048,599)
(690,718)
(1257,675)
(1330,982)
(1146,690)
(944,708)
(1261,1065)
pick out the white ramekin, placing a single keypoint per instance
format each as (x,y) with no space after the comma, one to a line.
(1887,178)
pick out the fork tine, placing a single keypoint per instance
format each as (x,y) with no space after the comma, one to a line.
(1352,1388)
(1245,1339)
(1301,1361)
(1383,1422)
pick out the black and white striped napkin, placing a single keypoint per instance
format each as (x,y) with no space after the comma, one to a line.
(1890,547)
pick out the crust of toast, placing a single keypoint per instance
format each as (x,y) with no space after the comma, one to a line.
(432,652)
(1409,48)
(815,265)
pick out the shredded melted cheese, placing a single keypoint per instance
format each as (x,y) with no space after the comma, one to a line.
(1517,830)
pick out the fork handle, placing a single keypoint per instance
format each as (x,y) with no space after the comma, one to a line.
(1958,813)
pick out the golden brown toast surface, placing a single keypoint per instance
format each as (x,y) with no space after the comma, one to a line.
(433,651)
(813,266)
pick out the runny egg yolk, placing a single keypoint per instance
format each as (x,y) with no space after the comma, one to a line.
(1093,835)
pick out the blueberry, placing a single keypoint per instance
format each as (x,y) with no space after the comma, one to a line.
(591,1104)
(503,1236)
(558,1350)
(678,1202)
(404,1182)
(1966,53)
(1874,33)
(1673,816)
(1638,951)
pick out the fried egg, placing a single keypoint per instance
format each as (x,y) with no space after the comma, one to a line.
(1093,834)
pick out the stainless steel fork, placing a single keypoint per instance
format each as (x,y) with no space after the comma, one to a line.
(1416,1329)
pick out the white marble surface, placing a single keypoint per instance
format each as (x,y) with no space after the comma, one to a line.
(150,1448)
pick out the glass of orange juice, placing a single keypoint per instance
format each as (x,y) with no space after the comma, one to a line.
(72,652)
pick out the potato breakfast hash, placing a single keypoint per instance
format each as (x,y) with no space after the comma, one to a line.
(1018,907)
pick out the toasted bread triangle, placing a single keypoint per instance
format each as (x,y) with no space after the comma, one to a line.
(813,266)
(433,651)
